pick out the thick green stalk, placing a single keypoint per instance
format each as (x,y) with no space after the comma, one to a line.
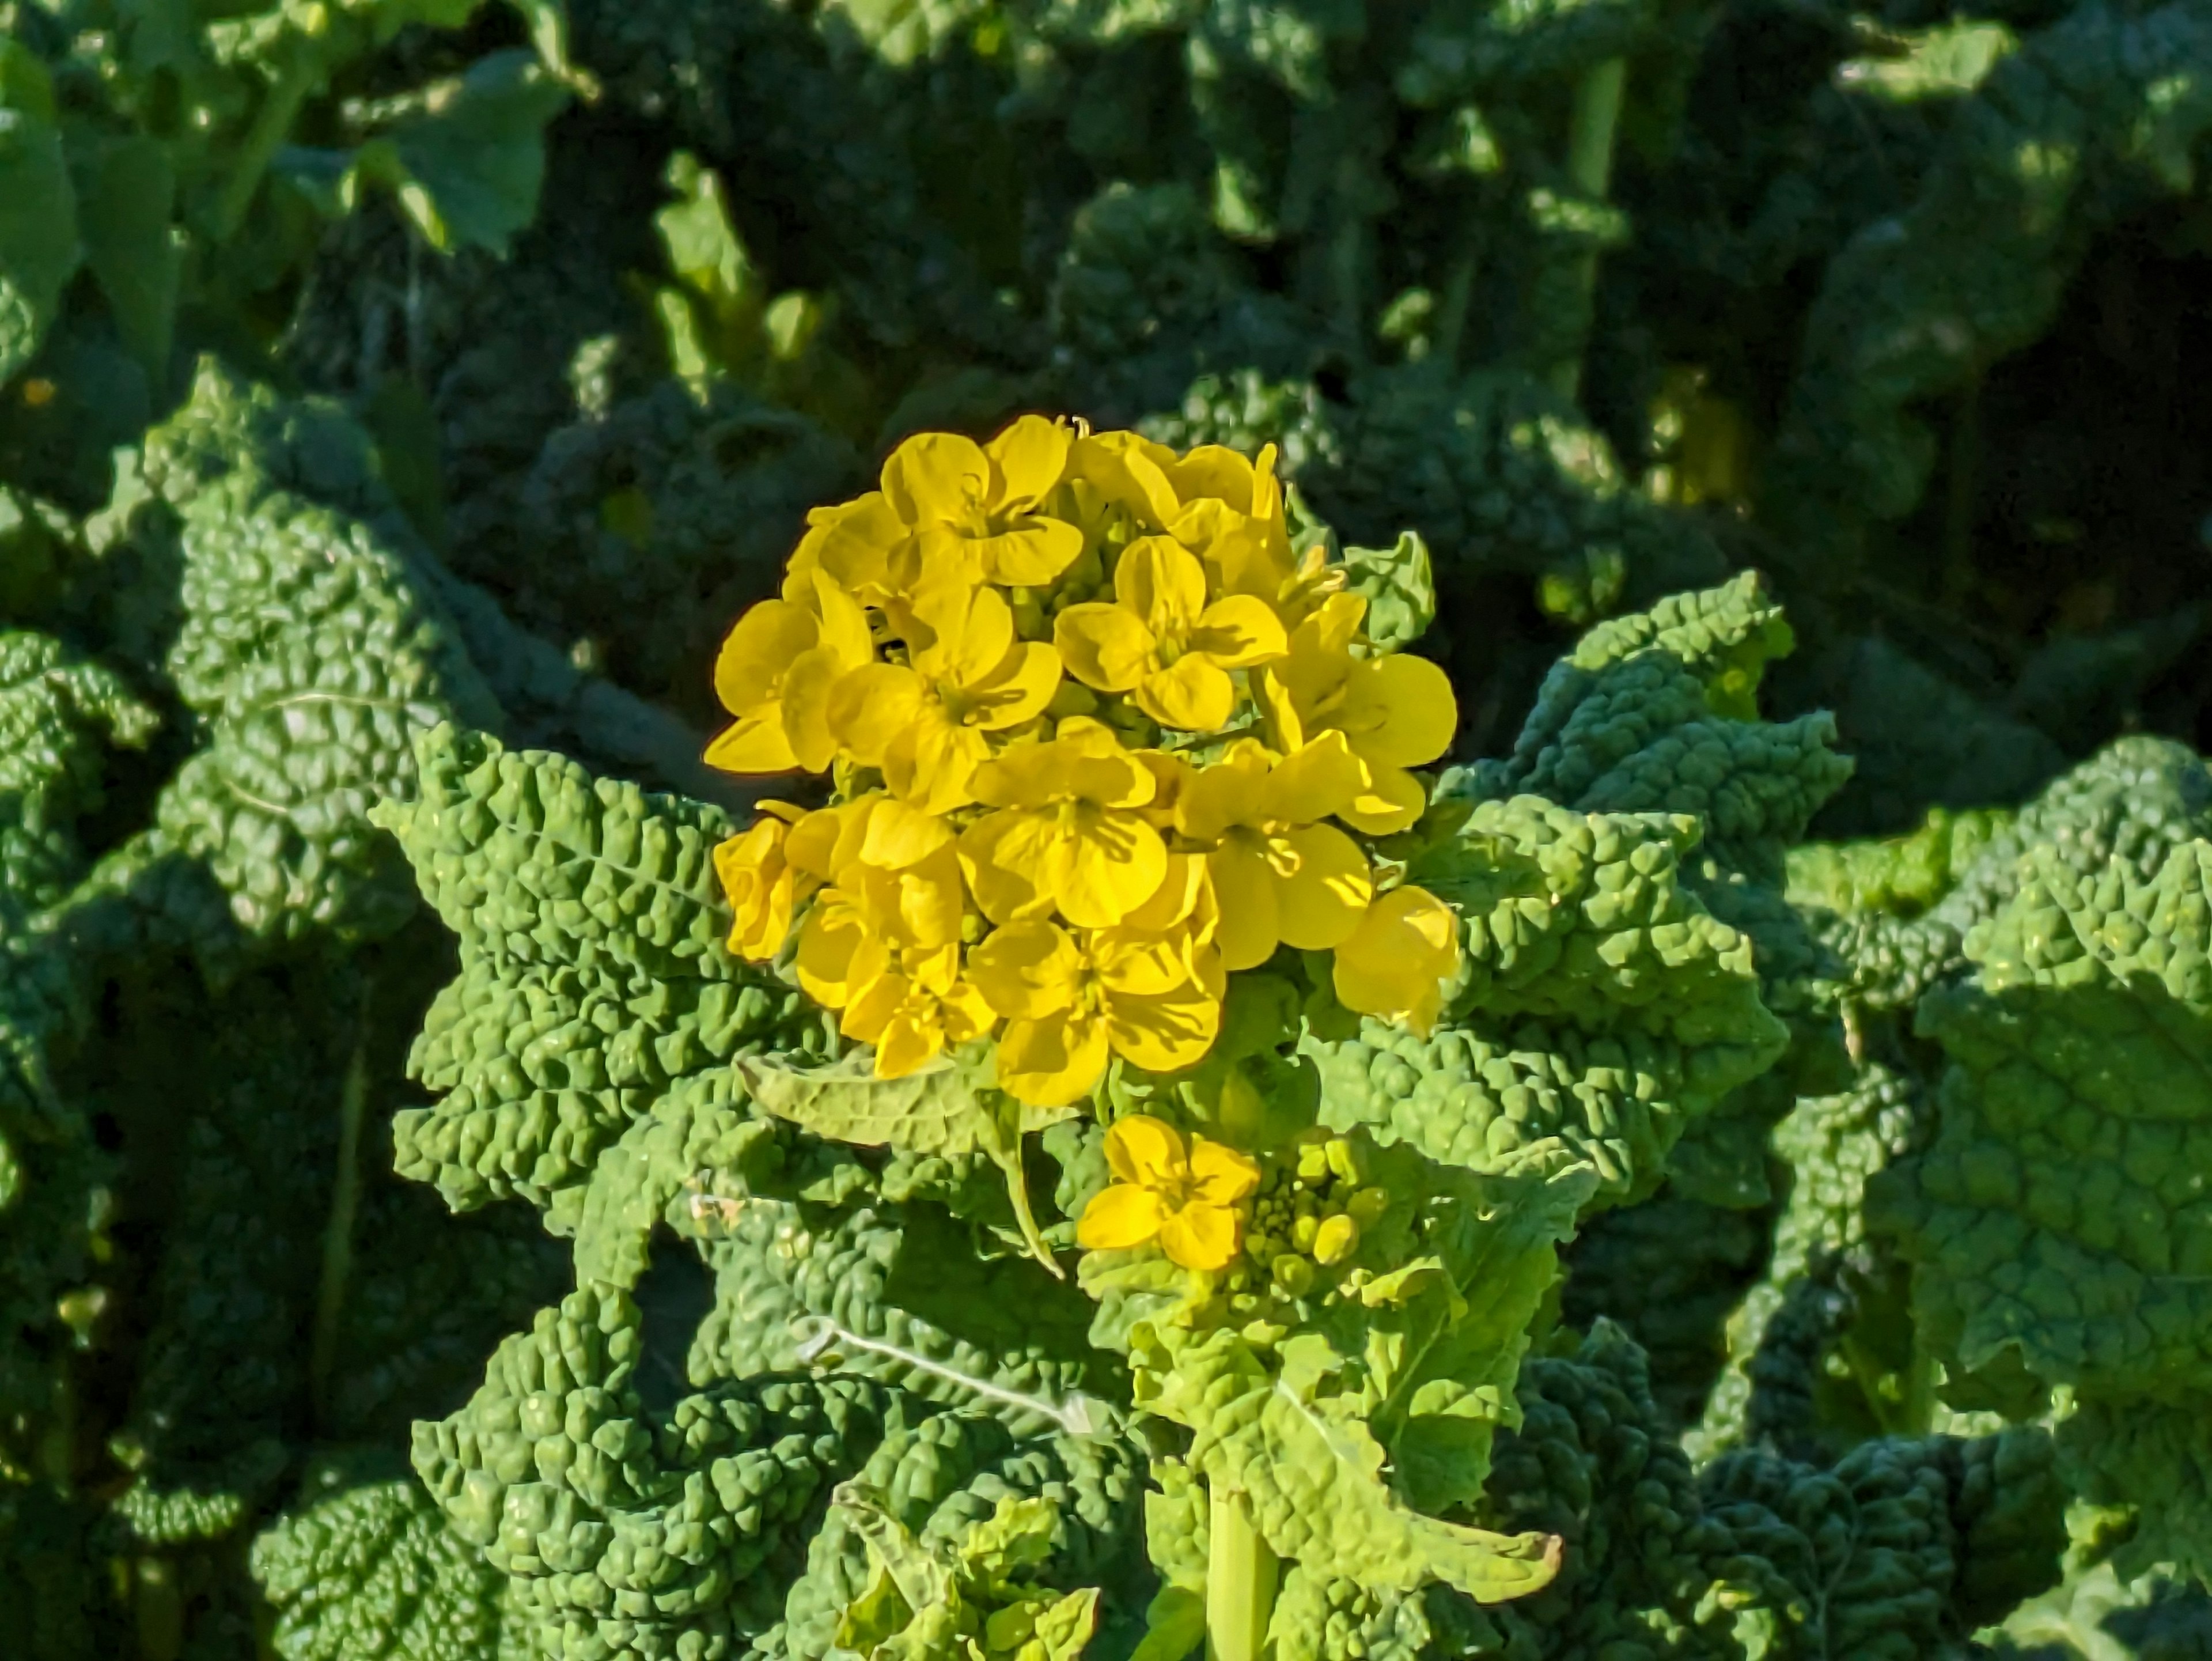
(272,123)
(1589,169)
(338,1235)
(1240,1581)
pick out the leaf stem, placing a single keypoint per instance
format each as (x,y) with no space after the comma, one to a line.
(272,122)
(1240,1580)
(1589,170)
(338,1234)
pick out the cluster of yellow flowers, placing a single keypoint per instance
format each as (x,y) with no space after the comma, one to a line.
(1099,740)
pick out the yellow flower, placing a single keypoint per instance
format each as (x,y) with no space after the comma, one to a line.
(1067,834)
(1232,517)
(1192,1203)
(974,507)
(776,673)
(1396,712)
(764,886)
(1128,470)
(925,722)
(857,930)
(1163,644)
(1279,876)
(917,1007)
(854,544)
(1069,1000)
(1395,964)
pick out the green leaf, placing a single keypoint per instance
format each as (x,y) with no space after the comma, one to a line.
(39,251)
(130,190)
(1400,590)
(1313,1472)
(944,1108)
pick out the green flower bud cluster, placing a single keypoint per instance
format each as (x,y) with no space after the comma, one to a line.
(1310,1213)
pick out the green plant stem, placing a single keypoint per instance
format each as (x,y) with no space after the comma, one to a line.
(1589,170)
(271,123)
(1240,1581)
(338,1234)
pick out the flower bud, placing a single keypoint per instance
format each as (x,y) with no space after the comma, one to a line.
(1335,1240)
(1294,1276)
(1367,1207)
(1344,1160)
(1313,1162)
(1304,1231)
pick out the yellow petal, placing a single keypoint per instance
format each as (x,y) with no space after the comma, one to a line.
(1231,792)
(1030,455)
(1201,1236)
(760,886)
(1245,888)
(910,1040)
(1219,1175)
(1162,582)
(1398,711)
(922,905)
(842,622)
(995,855)
(1025,970)
(1313,781)
(1146,1151)
(1322,901)
(1106,646)
(1182,893)
(871,1009)
(1193,696)
(1053,1061)
(1031,552)
(1393,799)
(852,544)
(1278,706)
(930,763)
(806,691)
(1239,632)
(755,745)
(829,940)
(1214,470)
(1120,1217)
(750,668)
(872,705)
(1137,965)
(1111,865)
(824,842)
(898,835)
(1128,469)
(966,1012)
(1165,1032)
(1083,762)
(935,476)
(1395,964)
(1018,691)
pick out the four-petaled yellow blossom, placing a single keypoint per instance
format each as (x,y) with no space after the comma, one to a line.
(1279,876)
(926,723)
(918,646)
(1163,644)
(1396,712)
(973,508)
(1069,998)
(1066,835)
(1191,1201)
(762,884)
(775,674)
(1396,961)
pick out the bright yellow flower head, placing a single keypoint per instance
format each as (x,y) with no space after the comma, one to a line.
(1279,876)
(1072,999)
(1192,1203)
(916,1008)
(1395,965)
(925,722)
(776,673)
(1396,712)
(1067,834)
(857,930)
(1161,643)
(974,507)
(762,886)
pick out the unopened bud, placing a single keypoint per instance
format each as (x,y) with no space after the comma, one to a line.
(1313,1162)
(1335,1240)
(1366,1207)
(1304,1232)
(1294,1276)
(1344,1159)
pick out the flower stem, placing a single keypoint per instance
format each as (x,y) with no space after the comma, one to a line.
(1240,1580)
(1589,169)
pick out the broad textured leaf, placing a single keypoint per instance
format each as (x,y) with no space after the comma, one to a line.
(38,250)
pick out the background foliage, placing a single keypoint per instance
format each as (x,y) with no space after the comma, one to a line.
(371,364)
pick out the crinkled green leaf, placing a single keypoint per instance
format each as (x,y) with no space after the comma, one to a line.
(38,250)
